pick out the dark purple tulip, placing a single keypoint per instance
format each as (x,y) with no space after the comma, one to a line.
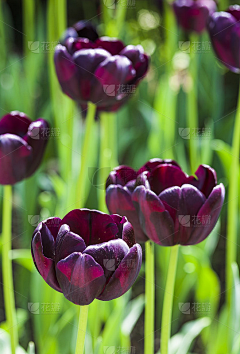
(174,208)
(120,186)
(192,15)
(81,29)
(22,145)
(87,255)
(100,70)
(224,31)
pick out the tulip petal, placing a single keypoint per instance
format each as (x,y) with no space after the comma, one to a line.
(124,276)
(14,153)
(16,123)
(155,221)
(221,26)
(112,45)
(108,254)
(44,258)
(206,179)
(81,278)
(190,203)
(166,176)
(92,225)
(68,242)
(119,201)
(208,215)
(121,175)
(136,55)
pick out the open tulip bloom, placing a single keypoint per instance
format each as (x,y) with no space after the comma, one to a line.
(224,31)
(101,70)
(22,145)
(164,204)
(87,255)
(192,15)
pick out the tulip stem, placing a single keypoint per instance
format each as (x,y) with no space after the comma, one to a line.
(82,179)
(8,289)
(233,207)
(82,327)
(149,299)
(192,108)
(168,300)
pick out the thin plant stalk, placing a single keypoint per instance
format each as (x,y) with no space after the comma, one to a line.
(192,109)
(149,299)
(8,288)
(168,300)
(82,327)
(232,213)
(82,179)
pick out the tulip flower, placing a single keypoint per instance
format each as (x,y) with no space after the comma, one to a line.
(102,70)
(120,186)
(223,28)
(174,208)
(22,145)
(192,15)
(87,255)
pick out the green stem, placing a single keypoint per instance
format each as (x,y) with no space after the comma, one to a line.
(82,327)
(150,299)
(8,289)
(168,300)
(108,153)
(233,206)
(192,113)
(80,195)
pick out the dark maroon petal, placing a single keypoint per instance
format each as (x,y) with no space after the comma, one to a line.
(208,215)
(52,224)
(193,15)
(68,242)
(69,33)
(138,58)
(114,73)
(109,255)
(121,175)
(170,198)
(86,29)
(75,44)
(119,201)
(221,28)
(206,179)
(124,276)
(87,61)
(92,225)
(81,278)
(66,72)
(190,203)
(37,137)
(44,258)
(166,176)
(235,11)
(15,122)
(153,163)
(112,45)
(14,153)
(155,221)
(235,44)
